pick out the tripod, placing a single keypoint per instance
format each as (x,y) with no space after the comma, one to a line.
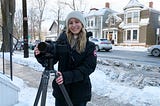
(44,84)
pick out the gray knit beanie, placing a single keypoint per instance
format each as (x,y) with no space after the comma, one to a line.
(78,15)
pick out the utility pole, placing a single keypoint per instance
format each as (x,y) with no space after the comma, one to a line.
(58,21)
(25,29)
(74,8)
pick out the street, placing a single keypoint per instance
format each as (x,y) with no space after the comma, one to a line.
(140,57)
(130,56)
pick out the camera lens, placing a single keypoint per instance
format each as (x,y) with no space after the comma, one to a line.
(42,46)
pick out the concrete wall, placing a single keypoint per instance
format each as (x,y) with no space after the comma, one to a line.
(8,92)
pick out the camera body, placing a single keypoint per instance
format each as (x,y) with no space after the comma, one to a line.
(52,47)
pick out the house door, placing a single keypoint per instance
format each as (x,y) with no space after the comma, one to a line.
(109,35)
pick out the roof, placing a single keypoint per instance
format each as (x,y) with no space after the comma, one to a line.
(133,3)
(99,12)
(117,18)
(56,22)
(144,21)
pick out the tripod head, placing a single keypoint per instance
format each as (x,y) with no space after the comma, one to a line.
(49,66)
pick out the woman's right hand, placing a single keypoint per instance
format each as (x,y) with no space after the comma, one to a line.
(36,50)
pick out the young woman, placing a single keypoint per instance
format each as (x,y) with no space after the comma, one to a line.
(75,63)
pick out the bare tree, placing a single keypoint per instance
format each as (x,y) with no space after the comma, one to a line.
(40,6)
(8,10)
(58,13)
(33,23)
(18,25)
(79,5)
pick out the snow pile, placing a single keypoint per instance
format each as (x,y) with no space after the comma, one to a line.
(135,75)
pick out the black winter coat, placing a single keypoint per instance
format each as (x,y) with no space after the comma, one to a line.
(75,69)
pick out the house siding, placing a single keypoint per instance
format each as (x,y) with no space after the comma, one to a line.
(142,34)
(154,24)
(120,36)
(144,14)
(150,36)
(147,32)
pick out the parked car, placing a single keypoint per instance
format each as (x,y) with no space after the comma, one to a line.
(33,44)
(102,44)
(154,50)
(19,45)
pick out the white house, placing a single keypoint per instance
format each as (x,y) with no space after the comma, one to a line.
(103,23)
(55,29)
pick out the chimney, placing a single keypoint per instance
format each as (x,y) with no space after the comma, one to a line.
(151,4)
(107,5)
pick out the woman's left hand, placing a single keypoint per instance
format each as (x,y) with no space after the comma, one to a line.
(59,79)
(36,50)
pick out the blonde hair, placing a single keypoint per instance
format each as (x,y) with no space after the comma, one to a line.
(81,43)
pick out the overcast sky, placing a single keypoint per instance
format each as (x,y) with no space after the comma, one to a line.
(118,5)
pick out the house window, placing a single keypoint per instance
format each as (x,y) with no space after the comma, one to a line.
(92,23)
(95,21)
(135,17)
(129,18)
(134,34)
(111,21)
(125,22)
(128,34)
(132,17)
(88,23)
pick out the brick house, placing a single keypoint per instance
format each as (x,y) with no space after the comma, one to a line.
(137,25)
(140,25)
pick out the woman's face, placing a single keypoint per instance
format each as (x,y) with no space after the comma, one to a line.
(75,25)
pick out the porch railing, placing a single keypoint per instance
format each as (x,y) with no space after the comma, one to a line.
(12,46)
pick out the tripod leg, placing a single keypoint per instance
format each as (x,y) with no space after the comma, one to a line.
(65,94)
(44,93)
(38,93)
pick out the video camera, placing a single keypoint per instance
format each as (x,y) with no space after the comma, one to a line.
(52,47)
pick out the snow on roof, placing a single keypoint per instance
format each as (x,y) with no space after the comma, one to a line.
(99,12)
(117,19)
(133,3)
(52,35)
(121,24)
(144,21)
